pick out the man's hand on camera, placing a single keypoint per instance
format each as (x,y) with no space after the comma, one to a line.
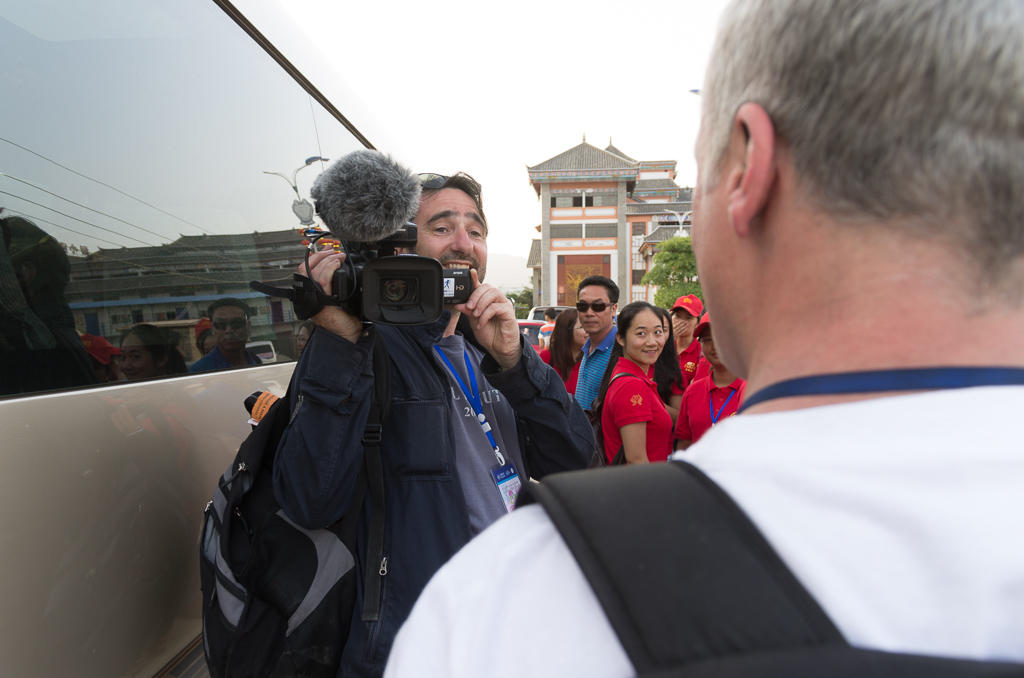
(322,266)
(494,322)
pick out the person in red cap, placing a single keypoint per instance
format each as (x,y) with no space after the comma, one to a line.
(102,353)
(204,336)
(709,399)
(685,316)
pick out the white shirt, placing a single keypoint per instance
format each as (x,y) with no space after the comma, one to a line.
(903,516)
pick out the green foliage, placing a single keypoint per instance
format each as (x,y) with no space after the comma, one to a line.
(674,272)
(523,301)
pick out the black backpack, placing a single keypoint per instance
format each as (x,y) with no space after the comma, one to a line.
(600,458)
(713,598)
(278,598)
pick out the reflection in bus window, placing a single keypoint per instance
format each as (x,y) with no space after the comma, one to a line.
(302,338)
(204,337)
(158,199)
(148,352)
(38,343)
(229,318)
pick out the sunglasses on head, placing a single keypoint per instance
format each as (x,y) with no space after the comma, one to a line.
(235,323)
(598,306)
(432,181)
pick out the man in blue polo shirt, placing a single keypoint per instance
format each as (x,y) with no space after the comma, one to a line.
(597,297)
(229,318)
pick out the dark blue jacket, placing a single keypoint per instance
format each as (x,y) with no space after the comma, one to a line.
(320,455)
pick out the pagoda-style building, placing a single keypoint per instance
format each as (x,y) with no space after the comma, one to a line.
(602,212)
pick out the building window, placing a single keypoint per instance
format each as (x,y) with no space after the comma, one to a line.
(567,231)
(606,200)
(564,201)
(561,259)
(639,228)
(606,260)
(638,276)
(602,231)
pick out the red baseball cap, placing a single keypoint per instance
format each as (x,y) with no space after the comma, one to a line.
(99,348)
(704,324)
(203,325)
(691,304)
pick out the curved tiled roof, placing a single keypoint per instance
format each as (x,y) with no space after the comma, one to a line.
(533,261)
(615,151)
(584,157)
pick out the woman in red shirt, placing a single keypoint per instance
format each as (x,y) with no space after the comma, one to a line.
(566,345)
(633,416)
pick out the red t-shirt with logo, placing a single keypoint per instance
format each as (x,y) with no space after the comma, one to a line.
(689,361)
(631,400)
(696,410)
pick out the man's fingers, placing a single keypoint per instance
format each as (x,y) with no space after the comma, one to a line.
(322,266)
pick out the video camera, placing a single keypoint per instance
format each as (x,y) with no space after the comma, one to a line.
(368,200)
(376,285)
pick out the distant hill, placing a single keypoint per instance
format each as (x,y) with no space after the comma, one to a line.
(507,271)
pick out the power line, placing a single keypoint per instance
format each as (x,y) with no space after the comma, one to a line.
(97,181)
(109,216)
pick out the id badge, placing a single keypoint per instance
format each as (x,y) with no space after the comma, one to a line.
(507,481)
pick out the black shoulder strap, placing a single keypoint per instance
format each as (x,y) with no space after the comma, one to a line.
(693,589)
(657,540)
(374,470)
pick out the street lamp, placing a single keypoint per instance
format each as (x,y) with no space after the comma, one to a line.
(301,207)
(680,218)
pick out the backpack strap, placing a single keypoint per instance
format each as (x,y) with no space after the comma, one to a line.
(373,468)
(659,539)
(694,590)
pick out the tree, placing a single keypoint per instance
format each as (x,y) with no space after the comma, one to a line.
(523,301)
(674,272)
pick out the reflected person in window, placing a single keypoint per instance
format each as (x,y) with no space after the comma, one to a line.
(229,318)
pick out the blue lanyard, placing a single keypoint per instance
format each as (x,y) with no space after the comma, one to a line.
(473,397)
(714,419)
(913,379)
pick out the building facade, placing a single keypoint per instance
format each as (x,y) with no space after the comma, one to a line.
(598,209)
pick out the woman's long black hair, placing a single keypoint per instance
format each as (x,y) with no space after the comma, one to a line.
(666,370)
(564,356)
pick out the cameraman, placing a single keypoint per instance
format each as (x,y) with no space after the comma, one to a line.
(440,463)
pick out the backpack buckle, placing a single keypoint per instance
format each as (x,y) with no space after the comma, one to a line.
(372,435)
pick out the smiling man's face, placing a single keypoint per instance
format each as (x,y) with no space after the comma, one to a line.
(451,230)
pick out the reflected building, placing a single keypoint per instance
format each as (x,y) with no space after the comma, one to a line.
(602,213)
(171,285)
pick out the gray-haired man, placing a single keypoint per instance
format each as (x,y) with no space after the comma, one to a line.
(860,176)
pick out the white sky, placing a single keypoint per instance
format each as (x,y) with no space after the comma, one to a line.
(490,88)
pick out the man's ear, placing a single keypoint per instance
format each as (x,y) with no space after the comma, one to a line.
(753,170)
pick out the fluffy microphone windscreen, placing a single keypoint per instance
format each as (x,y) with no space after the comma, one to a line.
(366,196)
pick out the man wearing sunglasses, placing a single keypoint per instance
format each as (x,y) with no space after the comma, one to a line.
(229,319)
(597,303)
(473,416)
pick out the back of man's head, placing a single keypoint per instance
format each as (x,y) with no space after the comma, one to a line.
(550,314)
(908,111)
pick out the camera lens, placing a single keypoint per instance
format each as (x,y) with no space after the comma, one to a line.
(395,290)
